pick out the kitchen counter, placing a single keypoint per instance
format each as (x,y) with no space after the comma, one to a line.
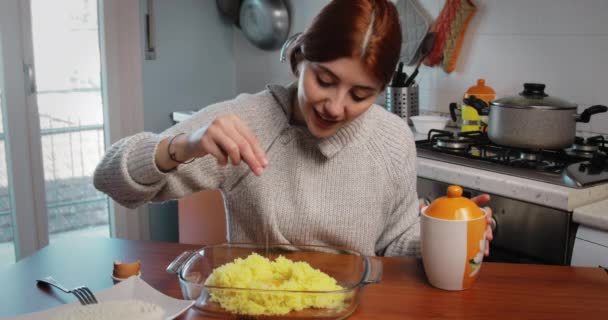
(533,191)
(595,214)
(503,290)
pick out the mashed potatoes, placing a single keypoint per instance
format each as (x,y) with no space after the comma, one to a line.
(257,272)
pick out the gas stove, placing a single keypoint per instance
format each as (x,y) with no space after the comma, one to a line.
(582,165)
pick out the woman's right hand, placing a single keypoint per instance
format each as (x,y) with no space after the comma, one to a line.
(227,138)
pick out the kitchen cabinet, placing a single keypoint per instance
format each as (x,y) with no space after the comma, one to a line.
(591,242)
(590,247)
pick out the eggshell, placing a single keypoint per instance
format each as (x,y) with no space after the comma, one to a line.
(124,270)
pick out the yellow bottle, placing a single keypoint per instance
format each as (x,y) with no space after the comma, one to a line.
(471,120)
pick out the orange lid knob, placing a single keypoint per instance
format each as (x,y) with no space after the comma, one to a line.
(454,206)
(454,191)
(481,91)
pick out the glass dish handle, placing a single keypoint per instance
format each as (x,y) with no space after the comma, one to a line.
(176,265)
(373,272)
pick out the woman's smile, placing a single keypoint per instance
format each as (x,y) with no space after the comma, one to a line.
(324,122)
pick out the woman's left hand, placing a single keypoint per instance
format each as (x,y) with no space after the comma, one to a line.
(480,200)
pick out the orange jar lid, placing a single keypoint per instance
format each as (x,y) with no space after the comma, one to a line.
(454,207)
(481,91)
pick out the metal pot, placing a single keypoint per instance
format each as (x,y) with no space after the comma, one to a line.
(534,120)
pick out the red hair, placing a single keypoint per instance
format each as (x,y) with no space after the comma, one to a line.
(368,30)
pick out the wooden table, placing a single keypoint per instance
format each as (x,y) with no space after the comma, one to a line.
(503,290)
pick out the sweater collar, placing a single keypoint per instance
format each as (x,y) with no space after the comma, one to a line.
(333,144)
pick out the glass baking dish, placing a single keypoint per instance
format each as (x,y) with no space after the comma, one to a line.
(351,270)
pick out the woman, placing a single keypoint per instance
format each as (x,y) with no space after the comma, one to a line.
(315,162)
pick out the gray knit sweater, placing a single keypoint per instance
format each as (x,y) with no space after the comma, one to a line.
(355,189)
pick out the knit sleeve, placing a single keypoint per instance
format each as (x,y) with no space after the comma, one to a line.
(129,175)
(401,235)
(405,221)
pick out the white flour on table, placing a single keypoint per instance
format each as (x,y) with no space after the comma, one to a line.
(112,310)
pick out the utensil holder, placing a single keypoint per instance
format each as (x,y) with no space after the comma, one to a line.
(403,101)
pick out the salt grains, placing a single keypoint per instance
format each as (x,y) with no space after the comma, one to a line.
(112,310)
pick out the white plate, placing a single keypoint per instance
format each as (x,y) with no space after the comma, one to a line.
(132,288)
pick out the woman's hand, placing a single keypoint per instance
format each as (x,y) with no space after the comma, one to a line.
(480,200)
(227,138)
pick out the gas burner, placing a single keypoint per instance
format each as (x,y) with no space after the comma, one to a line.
(528,156)
(587,145)
(531,159)
(595,140)
(458,143)
(455,141)
(582,154)
(584,148)
(560,167)
(533,164)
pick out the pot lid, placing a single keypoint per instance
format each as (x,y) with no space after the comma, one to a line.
(454,207)
(533,96)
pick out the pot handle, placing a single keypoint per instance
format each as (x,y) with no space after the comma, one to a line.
(481,106)
(176,265)
(453,108)
(586,115)
(373,271)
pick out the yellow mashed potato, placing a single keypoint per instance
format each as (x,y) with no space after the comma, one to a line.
(258,272)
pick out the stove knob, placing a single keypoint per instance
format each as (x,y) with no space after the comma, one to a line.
(582,167)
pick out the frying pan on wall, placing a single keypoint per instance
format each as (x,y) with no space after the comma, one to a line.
(265,23)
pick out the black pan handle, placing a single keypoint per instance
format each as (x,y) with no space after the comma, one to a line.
(586,115)
(453,107)
(481,106)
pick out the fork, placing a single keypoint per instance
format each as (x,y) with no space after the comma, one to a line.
(84,294)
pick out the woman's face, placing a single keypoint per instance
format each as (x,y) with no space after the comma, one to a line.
(332,94)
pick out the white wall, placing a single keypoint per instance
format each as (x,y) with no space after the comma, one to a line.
(194,64)
(561,43)
(194,67)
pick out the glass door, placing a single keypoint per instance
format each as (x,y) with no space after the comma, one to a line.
(65,37)
(52,133)
(23,224)
(7,246)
